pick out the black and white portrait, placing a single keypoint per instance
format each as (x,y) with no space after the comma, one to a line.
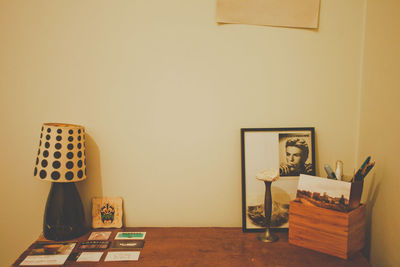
(289,150)
(295,154)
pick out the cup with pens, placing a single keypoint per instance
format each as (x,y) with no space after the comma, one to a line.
(357,180)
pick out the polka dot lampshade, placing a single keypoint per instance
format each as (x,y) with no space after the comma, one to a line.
(61,156)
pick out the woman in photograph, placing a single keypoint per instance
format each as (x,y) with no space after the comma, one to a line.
(296,156)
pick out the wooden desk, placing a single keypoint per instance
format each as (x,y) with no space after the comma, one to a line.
(218,247)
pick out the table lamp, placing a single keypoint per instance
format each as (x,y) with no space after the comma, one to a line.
(61,159)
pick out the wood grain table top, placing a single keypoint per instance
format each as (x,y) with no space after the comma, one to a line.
(215,246)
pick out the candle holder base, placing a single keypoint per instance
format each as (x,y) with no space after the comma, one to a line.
(268,236)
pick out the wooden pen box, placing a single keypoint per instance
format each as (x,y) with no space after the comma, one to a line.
(336,233)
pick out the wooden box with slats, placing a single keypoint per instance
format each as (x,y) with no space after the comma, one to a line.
(328,231)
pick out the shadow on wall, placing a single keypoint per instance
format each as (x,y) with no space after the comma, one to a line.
(92,186)
(370,202)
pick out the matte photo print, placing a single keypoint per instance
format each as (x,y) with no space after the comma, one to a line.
(130,235)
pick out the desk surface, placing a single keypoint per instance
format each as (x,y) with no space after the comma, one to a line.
(217,247)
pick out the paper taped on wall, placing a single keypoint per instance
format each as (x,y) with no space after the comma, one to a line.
(284,13)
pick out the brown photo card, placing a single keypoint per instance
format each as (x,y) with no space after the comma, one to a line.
(323,192)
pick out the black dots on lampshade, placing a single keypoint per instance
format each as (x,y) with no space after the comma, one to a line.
(44,163)
(69,165)
(55,175)
(61,153)
(43,174)
(69,176)
(56,164)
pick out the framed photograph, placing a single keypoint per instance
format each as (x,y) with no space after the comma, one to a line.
(292,151)
(106,212)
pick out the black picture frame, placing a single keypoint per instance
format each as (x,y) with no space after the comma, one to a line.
(263,148)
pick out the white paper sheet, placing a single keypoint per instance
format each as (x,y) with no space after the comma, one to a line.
(44,260)
(123,256)
(90,256)
(284,13)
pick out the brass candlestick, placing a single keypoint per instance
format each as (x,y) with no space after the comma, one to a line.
(268,176)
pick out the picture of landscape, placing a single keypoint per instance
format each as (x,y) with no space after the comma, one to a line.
(323,192)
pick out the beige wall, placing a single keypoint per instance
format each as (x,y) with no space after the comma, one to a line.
(380,128)
(163,91)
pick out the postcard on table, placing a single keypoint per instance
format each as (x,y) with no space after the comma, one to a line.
(99,235)
(323,192)
(122,256)
(48,254)
(94,244)
(128,244)
(90,256)
(130,236)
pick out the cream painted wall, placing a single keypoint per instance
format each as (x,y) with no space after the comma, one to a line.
(380,128)
(163,91)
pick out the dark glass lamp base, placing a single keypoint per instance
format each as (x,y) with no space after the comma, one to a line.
(64,218)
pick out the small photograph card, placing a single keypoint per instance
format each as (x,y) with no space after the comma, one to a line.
(323,192)
(48,254)
(90,256)
(99,236)
(122,256)
(94,244)
(128,244)
(130,235)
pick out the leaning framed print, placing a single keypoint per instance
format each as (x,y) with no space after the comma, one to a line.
(292,151)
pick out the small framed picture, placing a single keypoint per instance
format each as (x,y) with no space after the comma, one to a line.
(107,212)
(289,150)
